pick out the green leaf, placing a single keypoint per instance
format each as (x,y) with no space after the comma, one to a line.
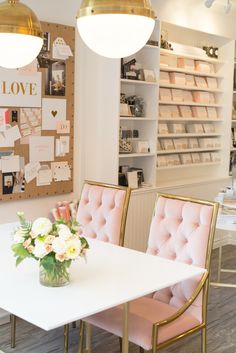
(20,251)
(19,260)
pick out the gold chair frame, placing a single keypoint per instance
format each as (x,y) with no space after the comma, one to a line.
(202,286)
(121,243)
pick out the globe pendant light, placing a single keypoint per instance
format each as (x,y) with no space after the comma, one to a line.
(21,37)
(115,28)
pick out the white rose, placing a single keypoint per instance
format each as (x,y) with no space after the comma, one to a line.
(41,226)
(18,237)
(73,248)
(64,232)
(59,246)
(40,249)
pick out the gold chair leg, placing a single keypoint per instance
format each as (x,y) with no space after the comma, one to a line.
(120,343)
(204,338)
(13,330)
(88,337)
(66,338)
(74,324)
(81,336)
(219,264)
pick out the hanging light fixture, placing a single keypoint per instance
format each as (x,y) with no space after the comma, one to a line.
(115,28)
(20,35)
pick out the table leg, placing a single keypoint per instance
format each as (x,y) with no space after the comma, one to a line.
(66,338)
(88,337)
(13,330)
(125,338)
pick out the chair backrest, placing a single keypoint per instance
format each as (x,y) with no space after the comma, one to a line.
(102,211)
(182,229)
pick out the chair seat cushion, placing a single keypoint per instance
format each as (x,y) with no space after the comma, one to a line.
(143,313)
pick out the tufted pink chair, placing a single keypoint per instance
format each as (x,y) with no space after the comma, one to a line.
(182,229)
(102,211)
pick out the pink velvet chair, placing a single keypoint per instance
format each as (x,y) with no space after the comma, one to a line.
(182,229)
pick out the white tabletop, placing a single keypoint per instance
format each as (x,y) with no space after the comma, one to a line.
(112,275)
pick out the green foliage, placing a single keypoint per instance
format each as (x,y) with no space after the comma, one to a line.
(20,253)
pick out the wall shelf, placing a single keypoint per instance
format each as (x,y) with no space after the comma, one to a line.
(212,134)
(181,166)
(173,120)
(189,72)
(191,104)
(189,150)
(136,119)
(136,155)
(137,82)
(190,56)
(190,88)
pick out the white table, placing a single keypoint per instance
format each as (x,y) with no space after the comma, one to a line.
(112,275)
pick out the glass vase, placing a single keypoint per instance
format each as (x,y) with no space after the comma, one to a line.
(57,276)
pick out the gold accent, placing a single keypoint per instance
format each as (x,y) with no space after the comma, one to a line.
(66,338)
(125,207)
(13,330)
(131,7)
(19,19)
(202,286)
(125,335)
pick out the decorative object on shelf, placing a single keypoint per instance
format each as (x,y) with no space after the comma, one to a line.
(227,6)
(130,176)
(164,40)
(21,37)
(135,104)
(54,245)
(212,52)
(125,146)
(132,70)
(103,26)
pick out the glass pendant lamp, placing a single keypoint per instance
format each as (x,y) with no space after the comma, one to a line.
(115,28)
(21,37)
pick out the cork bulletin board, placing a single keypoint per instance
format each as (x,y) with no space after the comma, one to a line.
(37,120)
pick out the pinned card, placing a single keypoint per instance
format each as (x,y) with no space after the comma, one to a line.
(61,171)
(62,146)
(44,176)
(63,127)
(31,171)
(12,134)
(11,164)
(53,111)
(41,148)
(60,49)
(4,113)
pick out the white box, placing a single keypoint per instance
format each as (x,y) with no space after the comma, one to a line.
(201,97)
(215,157)
(199,112)
(163,129)
(140,146)
(212,113)
(200,82)
(181,143)
(212,68)
(187,64)
(186,158)
(202,66)
(174,111)
(193,142)
(185,111)
(190,80)
(177,128)
(209,128)
(165,111)
(159,148)
(212,82)
(161,161)
(164,77)
(177,95)
(167,144)
(166,61)
(165,94)
(187,95)
(206,143)
(173,159)
(196,158)
(212,99)
(195,128)
(217,142)
(205,157)
(177,78)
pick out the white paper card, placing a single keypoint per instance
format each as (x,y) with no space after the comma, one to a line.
(61,171)
(31,171)
(44,176)
(12,134)
(53,111)
(41,148)
(10,164)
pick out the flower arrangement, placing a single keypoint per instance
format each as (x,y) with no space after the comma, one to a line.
(54,245)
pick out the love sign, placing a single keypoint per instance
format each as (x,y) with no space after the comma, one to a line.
(18,90)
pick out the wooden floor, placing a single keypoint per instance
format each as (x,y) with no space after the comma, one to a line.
(221,326)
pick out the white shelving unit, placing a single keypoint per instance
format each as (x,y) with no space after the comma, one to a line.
(223,68)
(233,122)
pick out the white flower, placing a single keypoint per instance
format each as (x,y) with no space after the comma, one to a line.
(73,248)
(18,237)
(40,249)
(64,231)
(59,246)
(41,226)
